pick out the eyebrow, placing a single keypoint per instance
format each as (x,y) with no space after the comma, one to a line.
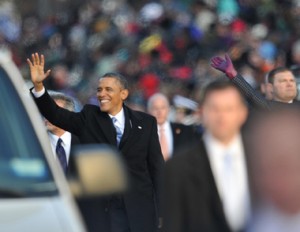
(107,87)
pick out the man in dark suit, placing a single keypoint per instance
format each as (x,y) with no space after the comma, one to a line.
(205,185)
(133,133)
(172,135)
(281,84)
(55,133)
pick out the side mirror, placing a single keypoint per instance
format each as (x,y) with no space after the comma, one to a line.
(98,170)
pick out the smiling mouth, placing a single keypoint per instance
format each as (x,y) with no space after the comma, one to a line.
(104,101)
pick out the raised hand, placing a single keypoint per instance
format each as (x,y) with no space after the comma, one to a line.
(36,65)
(224,65)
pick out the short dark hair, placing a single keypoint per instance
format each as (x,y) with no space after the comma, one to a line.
(119,77)
(69,103)
(273,72)
(217,85)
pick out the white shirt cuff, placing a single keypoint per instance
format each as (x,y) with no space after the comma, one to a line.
(39,93)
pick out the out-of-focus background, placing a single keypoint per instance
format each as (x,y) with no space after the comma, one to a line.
(161,46)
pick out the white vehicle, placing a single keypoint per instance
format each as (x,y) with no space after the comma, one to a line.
(34,194)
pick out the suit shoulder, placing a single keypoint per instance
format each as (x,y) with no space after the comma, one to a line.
(187,155)
(188,130)
(181,126)
(88,108)
(74,139)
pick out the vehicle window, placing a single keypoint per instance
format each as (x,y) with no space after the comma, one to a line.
(24,171)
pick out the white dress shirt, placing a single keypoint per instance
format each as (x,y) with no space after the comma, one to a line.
(270,218)
(39,93)
(238,211)
(66,143)
(169,135)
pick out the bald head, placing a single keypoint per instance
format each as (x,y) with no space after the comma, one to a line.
(159,107)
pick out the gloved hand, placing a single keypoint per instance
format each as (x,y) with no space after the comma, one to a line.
(224,65)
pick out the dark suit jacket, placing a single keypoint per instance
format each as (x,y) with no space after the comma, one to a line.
(183,135)
(256,99)
(71,165)
(139,146)
(191,201)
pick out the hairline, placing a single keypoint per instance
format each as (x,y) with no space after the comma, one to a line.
(272,74)
(117,76)
(69,103)
(211,90)
(155,97)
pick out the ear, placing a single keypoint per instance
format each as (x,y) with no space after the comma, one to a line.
(244,114)
(270,88)
(201,114)
(124,94)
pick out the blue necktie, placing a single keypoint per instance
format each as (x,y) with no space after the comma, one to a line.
(61,155)
(118,130)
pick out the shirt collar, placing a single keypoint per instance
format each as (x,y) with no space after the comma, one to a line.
(65,137)
(119,116)
(165,125)
(215,144)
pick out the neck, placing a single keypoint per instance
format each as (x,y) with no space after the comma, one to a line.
(283,101)
(225,140)
(115,113)
(161,124)
(58,132)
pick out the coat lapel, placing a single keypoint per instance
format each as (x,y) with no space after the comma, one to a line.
(217,202)
(133,129)
(107,127)
(127,129)
(176,131)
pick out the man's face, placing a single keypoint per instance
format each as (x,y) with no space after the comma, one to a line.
(160,110)
(111,95)
(284,88)
(223,113)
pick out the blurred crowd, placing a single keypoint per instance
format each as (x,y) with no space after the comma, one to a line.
(160,46)
(164,48)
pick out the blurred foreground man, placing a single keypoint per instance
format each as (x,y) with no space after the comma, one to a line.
(206,187)
(274,167)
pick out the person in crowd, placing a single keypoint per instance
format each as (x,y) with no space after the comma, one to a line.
(133,133)
(265,88)
(206,184)
(62,141)
(172,136)
(281,82)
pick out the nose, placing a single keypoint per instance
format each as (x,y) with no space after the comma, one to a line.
(100,93)
(291,83)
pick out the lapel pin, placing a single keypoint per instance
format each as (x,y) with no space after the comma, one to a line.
(178,131)
(140,127)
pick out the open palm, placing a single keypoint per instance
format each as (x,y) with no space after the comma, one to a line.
(36,65)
